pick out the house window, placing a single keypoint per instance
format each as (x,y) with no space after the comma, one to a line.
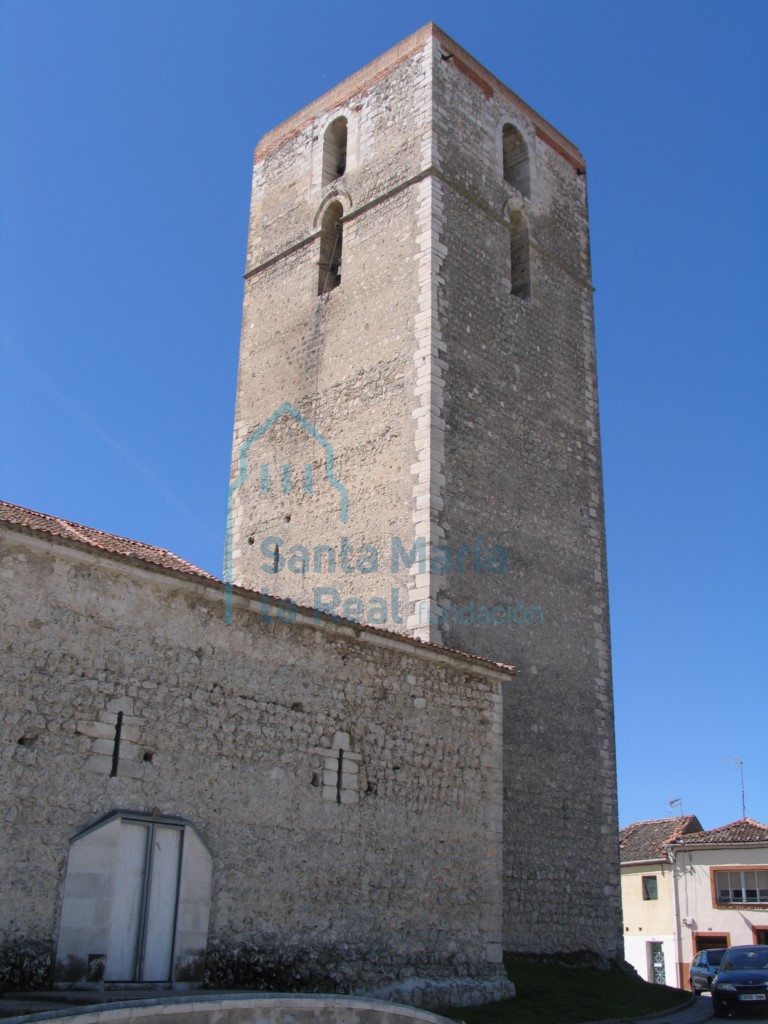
(517,171)
(650,887)
(742,886)
(335,150)
(331,231)
(520,256)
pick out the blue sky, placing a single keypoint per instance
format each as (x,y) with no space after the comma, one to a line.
(127,131)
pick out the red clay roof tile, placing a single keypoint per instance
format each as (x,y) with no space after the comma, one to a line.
(42,523)
(745,830)
(648,840)
(111,543)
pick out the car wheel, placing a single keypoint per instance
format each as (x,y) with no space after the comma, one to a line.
(719,1011)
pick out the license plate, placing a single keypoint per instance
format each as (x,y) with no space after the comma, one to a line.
(752,997)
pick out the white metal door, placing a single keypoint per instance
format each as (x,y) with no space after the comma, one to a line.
(127,906)
(161,903)
(143,922)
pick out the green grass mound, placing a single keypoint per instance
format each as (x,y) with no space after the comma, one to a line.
(552,993)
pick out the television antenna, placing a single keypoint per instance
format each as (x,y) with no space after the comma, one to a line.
(740,765)
(676,801)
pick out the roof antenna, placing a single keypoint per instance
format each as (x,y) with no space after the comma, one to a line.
(740,765)
(676,801)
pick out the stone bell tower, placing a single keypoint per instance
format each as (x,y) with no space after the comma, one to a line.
(416,442)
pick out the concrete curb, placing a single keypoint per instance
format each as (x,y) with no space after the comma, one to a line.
(672,1014)
(124,1010)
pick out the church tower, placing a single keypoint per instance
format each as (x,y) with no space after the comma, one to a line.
(416,441)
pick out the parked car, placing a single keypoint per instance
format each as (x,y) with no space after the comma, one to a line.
(704,968)
(741,981)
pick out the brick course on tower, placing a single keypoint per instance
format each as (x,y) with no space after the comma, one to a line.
(416,438)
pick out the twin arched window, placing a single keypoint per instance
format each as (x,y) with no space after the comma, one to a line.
(516,170)
(331,228)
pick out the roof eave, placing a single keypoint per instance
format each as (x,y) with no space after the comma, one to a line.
(762,844)
(634,863)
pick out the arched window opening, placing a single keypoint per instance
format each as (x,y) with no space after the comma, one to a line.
(517,172)
(331,231)
(335,150)
(520,256)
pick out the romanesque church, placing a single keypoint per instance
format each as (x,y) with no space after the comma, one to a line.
(380,748)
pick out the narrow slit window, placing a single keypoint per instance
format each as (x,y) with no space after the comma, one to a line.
(331,232)
(335,150)
(517,171)
(116,744)
(341,772)
(339,776)
(520,256)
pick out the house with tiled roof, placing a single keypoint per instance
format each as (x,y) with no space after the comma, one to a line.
(647,895)
(685,889)
(721,887)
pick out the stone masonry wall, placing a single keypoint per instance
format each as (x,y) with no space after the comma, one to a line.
(343,360)
(389,873)
(522,458)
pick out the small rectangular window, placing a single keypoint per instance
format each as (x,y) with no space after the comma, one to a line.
(650,887)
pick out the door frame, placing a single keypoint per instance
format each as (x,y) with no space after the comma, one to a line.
(95,888)
(724,936)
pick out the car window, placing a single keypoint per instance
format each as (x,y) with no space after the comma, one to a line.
(745,960)
(715,955)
